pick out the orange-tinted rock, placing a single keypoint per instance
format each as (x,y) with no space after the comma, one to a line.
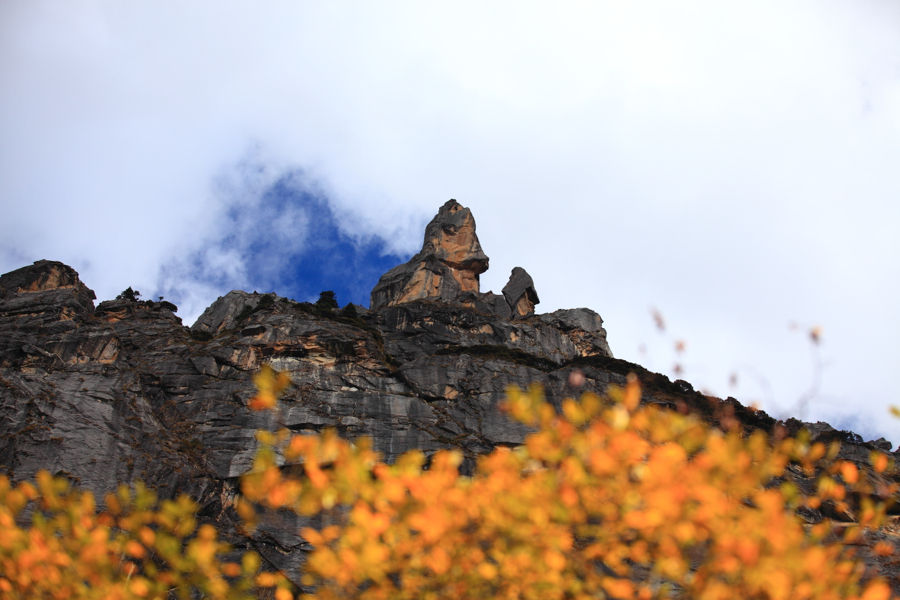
(46,290)
(446,268)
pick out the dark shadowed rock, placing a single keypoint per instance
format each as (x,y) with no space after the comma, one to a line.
(228,311)
(520,294)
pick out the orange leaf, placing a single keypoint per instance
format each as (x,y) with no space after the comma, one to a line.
(618,588)
(632,392)
(879,461)
(266,580)
(135,549)
(283,594)
(877,590)
(849,472)
(262,401)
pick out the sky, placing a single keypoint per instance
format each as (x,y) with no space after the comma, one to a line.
(733,168)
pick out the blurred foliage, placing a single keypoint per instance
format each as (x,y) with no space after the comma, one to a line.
(607,498)
(134,548)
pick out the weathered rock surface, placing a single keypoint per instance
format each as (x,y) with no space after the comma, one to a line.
(125,392)
(520,293)
(447,269)
(448,265)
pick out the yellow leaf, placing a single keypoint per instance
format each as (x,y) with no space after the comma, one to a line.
(632,393)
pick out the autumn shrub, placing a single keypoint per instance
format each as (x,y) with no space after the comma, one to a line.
(134,548)
(607,498)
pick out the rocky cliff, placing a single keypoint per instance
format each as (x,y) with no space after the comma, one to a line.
(123,391)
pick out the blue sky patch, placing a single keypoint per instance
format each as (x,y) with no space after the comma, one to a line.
(284,237)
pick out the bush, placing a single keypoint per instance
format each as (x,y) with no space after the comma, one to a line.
(134,548)
(326,302)
(607,498)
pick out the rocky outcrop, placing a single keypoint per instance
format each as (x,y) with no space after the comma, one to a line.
(447,267)
(520,294)
(230,310)
(125,392)
(45,290)
(583,326)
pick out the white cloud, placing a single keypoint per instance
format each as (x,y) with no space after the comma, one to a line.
(735,166)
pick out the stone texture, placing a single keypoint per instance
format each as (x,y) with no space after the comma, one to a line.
(583,326)
(125,392)
(46,290)
(520,294)
(229,309)
(447,269)
(448,265)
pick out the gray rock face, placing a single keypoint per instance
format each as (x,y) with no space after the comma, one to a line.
(583,326)
(230,309)
(125,392)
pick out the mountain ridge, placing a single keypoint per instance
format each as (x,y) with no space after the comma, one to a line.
(123,391)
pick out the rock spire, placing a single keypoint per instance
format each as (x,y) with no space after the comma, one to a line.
(520,293)
(448,267)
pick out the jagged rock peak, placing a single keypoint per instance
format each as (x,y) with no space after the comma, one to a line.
(451,237)
(46,284)
(448,268)
(42,276)
(445,269)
